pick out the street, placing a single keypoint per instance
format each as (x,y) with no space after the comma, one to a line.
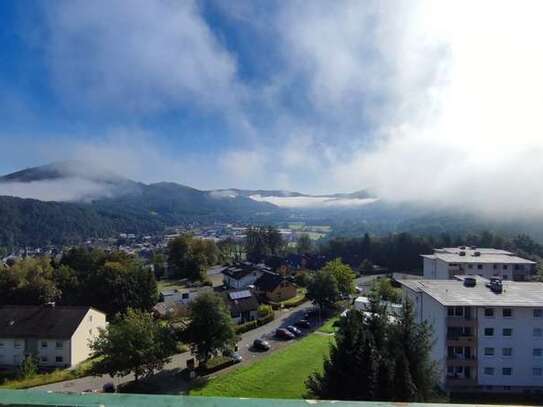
(167,379)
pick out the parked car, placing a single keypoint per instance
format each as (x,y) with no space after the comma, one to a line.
(261,344)
(303,323)
(236,357)
(292,329)
(284,334)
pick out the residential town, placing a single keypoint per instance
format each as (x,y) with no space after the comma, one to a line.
(482,309)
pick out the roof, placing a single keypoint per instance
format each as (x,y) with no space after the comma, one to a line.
(40,321)
(269,281)
(484,255)
(240,270)
(165,308)
(454,293)
(243,304)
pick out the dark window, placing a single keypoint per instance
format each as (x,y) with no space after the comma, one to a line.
(538,313)
(507,351)
(505,266)
(507,332)
(489,351)
(507,371)
(489,331)
(479,266)
(489,312)
(59,359)
(507,312)
(450,311)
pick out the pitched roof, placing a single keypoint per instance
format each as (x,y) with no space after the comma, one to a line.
(269,281)
(244,304)
(41,321)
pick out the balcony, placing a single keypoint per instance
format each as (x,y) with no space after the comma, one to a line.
(461,322)
(459,360)
(460,381)
(462,340)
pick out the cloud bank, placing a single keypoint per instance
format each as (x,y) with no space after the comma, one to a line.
(435,103)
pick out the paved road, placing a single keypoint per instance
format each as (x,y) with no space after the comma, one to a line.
(172,384)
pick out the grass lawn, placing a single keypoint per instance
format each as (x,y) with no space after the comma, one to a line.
(328,327)
(281,375)
(169,284)
(55,376)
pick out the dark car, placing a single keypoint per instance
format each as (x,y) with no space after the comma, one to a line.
(293,330)
(303,323)
(261,344)
(284,334)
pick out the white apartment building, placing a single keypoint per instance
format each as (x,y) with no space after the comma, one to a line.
(488,336)
(57,336)
(445,263)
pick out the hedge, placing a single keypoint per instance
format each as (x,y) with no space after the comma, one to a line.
(254,324)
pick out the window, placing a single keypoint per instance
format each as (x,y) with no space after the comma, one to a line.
(44,344)
(537,352)
(538,332)
(450,311)
(505,266)
(90,331)
(44,359)
(479,266)
(489,331)
(59,359)
(489,371)
(538,312)
(537,371)
(507,371)
(489,312)
(507,312)
(90,318)
(450,370)
(459,311)
(59,345)
(489,351)
(494,266)
(470,266)
(507,332)
(507,352)
(185,296)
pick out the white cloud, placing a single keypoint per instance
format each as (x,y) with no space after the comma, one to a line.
(139,55)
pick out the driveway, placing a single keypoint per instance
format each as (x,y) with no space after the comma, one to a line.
(168,380)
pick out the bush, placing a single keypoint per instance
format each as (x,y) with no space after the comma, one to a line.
(215,364)
(254,324)
(28,369)
(265,310)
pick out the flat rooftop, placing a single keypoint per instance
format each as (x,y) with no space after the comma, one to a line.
(454,293)
(476,255)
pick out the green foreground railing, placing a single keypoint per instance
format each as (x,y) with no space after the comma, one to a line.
(23,398)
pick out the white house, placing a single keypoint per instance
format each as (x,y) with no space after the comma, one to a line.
(243,274)
(58,336)
(445,263)
(488,335)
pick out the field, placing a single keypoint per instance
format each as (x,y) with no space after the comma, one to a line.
(167,284)
(281,375)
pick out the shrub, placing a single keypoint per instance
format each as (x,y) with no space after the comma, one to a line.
(264,310)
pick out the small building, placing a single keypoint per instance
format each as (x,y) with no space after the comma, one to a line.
(275,287)
(243,274)
(243,305)
(176,302)
(445,263)
(58,336)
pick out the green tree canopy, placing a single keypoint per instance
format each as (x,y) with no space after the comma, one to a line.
(322,289)
(136,343)
(343,274)
(376,358)
(304,244)
(189,257)
(211,329)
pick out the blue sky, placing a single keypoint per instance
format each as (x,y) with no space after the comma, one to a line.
(414,100)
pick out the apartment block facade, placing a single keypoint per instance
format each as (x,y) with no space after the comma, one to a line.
(446,263)
(487,337)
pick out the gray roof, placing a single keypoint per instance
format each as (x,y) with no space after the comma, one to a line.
(489,258)
(454,293)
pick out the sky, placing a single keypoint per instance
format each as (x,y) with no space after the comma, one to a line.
(433,102)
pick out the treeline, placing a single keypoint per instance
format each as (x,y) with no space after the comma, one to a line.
(401,252)
(111,282)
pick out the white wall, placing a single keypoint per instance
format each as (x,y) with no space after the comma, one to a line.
(522,361)
(87,331)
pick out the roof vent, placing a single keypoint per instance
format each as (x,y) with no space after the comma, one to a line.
(476,254)
(462,247)
(470,282)
(495,285)
(473,247)
(462,253)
